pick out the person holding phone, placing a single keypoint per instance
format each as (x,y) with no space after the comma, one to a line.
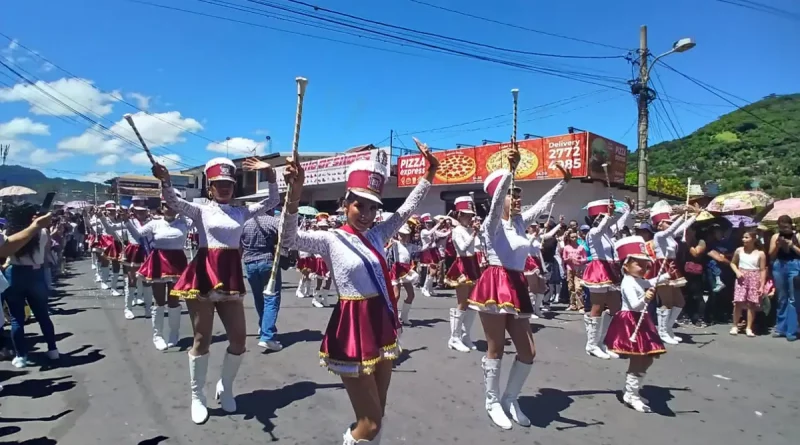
(26,279)
(784,252)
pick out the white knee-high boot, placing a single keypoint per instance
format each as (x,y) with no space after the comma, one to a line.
(491,381)
(516,380)
(105,273)
(174,326)
(114,281)
(147,299)
(140,293)
(631,396)
(158,328)
(664,314)
(605,319)
(404,313)
(301,287)
(224,393)
(128,312)
(198,369)
(467,319)
(592,325)
(673,317)
(455,331)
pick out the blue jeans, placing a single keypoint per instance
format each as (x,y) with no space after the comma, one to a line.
(28,284)
(267,306)
(783,273)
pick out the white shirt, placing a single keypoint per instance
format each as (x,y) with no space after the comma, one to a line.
(464,240)
(166,235)
(633,290)
(35,258)
(426,236)
(601,237)
(506,242)
(664,243)
(220,225)
(348,271)
(403,252)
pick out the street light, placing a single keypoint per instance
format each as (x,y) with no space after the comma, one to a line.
(644,96)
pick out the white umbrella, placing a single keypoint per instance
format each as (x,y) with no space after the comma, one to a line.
(16,190)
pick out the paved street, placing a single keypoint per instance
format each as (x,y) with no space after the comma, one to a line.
(113,387)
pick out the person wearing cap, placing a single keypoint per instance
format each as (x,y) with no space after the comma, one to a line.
(637,292)
(134,254)
(360,342)
(429,256)
(535,273)
(214,279)
(501,292)
(161,268)
(101,240)
(319,270)
(112,225)
(665,247)
(463,274)
(402,269)
(602,275)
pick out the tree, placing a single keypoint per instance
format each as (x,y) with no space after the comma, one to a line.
(664,184)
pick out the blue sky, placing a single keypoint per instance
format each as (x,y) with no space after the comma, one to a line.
(221,79)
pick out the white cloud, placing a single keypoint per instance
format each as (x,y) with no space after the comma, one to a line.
(142,101)
(108,160)
(8,52)
(238,147)
(98,176)
(22,125)
(41,156)
(79,94)
(170,161)
(261,132)
(158,129)
(47,67)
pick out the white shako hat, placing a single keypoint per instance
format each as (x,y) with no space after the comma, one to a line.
(405,230)
(464,204)
(425,217)
(493,181)
(139,203)
(220,169)
(631,247)
(365,179)
(110,204)
(661,212)
(598,207)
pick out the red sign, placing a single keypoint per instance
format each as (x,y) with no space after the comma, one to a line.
(538,160)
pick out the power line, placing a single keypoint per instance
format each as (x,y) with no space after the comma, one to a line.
(744,109)
(431,34)
(576,76)
(760,7)
(511,25)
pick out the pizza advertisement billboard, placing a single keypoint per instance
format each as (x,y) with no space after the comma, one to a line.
(472,165)
(605,151)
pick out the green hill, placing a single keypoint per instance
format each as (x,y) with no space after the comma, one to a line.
(738,150)
(67,189)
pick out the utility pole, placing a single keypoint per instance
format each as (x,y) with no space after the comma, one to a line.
(4,152)
(641,195)
(391,142)
(95,194)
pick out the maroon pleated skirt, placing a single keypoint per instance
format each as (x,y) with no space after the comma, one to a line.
(399,271)
(465,271)
(319,268)
(501,291)
(113,249)
(430,256)
(676,278)
(213,273)
(601,274)
(361,333)
(480,257)
(532,266)
(305,264)
(133,255)
(163,266)
(618,338)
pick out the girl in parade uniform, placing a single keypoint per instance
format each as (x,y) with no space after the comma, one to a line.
(637,293)
(133,256)
(161,269)
(602,275)
(113,247)
(360,342)
(96,245)
(304,264)
(214,280)
(402,269)
(534,266)
(429,256)
(665,248)
(319,270)
(463,274)
(501,293)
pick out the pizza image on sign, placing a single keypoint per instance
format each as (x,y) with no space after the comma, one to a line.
(528,162)
(456,168)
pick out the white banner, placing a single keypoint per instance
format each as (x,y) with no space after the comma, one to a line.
(332,170)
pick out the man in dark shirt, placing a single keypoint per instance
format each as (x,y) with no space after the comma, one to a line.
(258,254)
